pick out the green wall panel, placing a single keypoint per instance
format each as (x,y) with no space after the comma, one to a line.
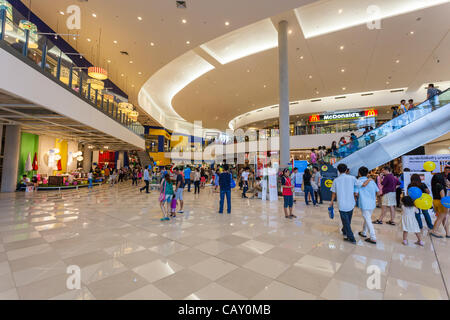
(29,143)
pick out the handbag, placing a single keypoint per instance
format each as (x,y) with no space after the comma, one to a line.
(162,195)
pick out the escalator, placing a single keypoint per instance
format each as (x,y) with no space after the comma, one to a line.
(420,125)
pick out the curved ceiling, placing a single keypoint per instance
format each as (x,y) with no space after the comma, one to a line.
(404,52)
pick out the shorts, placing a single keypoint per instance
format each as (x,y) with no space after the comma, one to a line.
(439,208)
(169,198)
(389,199)
(288,201)
(179,194)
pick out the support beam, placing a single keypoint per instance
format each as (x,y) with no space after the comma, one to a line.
(11,159)
(284,94)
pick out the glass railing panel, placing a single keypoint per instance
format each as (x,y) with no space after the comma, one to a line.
(14,36)
(395,124)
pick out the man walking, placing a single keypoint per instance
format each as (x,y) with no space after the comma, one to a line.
(367,190)
(146,180)
(344,188)
(180,182)
(225,188)
(317,181)
(388,200)
(244,178)
(187,177)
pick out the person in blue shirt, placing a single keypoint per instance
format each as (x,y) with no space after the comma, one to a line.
(146,180)
(432,94)
(187,177)
(225,188)
(368,191)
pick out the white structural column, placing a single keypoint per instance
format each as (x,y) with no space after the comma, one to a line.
(11,158)
(284,93)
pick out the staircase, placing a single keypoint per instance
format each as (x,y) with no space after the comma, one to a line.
(145,159)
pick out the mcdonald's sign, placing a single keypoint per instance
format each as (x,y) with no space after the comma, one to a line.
(371,113)
(343,115)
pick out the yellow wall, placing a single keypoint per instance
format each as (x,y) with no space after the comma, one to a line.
(159,156)
(159,132)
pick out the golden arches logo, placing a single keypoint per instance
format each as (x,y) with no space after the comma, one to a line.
(314,118)
(371,113)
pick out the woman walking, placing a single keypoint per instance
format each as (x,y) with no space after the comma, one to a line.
(438,188)
(417,182)
(308,189)
(197,181)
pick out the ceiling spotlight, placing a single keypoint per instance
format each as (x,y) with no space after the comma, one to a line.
(74,38)
(340,11)
(183,21)
(397,61)
(139,73)
(109,61)
(411,32)
(61,13)
(115,41)
(341,48)
(387,82)
(122,75)
(152,44)
(289,31)
(310,76)
(227,23)
(94,15)
(342,70)
(132,85)
(344,88)
(301,57)
(140,18)
(131,61)
(264,86)
(248,70)
(188,42)
(89,40)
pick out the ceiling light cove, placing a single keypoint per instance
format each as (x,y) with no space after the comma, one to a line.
(319,18)
(243,42)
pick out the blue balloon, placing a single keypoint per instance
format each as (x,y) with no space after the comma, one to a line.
(414,193)
(446,201)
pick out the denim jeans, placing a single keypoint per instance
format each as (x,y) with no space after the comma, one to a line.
(224,193)
(188,183)
(309,189)
(346,218)
(427,219)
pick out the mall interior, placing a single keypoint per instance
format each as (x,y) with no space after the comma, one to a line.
(99,99)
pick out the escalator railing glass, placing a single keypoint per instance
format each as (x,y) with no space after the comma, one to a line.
(419,111)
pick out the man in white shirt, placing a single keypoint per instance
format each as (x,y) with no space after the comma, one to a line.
(146,180)
(244,178)
(344,187)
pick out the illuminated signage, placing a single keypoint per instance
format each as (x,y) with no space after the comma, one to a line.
(343,115)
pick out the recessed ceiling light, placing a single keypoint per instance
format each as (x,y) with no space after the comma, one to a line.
(131,61)
(248,70)
(301,57)
(344,88)
(115,41)
(397,61)
(74,38)
(152,44)
(109,61)
(183,21)
(290,31)
(122,75)
(94,15)
(310,76)
(188,42)
(342,70)
(317,92)
(341,47)
(227,23)
(387,82)
(340,11)
(411,32)
(89,40)
(132,85)
(264,86)
(61,13)
(139,73)
(140,18)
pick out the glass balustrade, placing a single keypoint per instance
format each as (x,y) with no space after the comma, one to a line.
(40,50)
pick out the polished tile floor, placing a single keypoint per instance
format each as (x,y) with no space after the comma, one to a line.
(115,237)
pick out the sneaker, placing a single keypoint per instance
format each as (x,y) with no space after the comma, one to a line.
(167,218)
(220,212)
(435,235)
(377,222)
(351,241)
(181,211)
(405,242)
(419,243)
(370,241)
(361,234)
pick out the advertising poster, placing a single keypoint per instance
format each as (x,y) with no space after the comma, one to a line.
(273,192)
(264,189)
(415,163)
(301,165)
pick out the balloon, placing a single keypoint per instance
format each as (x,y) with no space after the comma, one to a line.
(446,201)
(425,202)
(414,193)
(429,166)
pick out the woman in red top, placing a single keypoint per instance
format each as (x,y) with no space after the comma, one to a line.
(287,191)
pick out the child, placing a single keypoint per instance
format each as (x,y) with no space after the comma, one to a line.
(287,191)
(165,195)
(173,208)
(409,221)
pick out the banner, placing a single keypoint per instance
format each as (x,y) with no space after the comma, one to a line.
(424,176)
(264,189)
(415,163)
(273,191)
